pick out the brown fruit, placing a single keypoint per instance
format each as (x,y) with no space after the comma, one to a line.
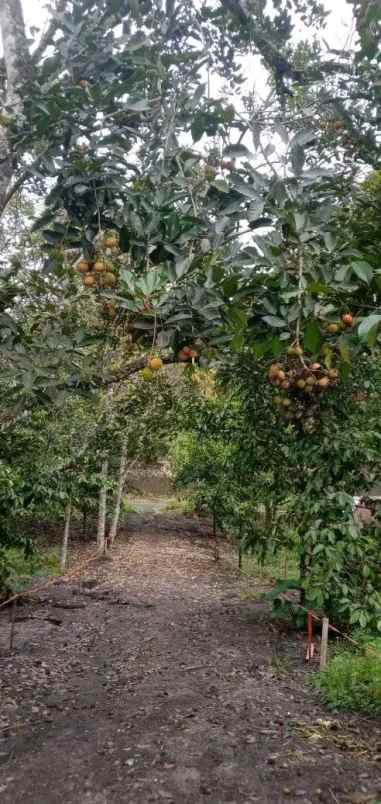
(324,382)
(315,367)
(110,310)
(295,350)
(100,266)
(347,319)
(83,266)
(301,384)
(311,380)
(333,328)
(274,368)
(109,279)
(333,374)
(89,280)
(111,242)
(155,363)
(281,375)
(83,83)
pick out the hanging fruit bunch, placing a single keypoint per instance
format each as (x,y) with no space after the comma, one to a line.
(101,270)
(300,386)
(154,364)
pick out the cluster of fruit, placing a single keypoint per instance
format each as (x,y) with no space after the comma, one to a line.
(302,386)
(98,272)
(153,364)
(187,353)
(346,322)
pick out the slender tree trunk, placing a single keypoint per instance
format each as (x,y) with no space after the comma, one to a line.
(17,66)
(84,524)
(119,494)
(102,510)
(66,537)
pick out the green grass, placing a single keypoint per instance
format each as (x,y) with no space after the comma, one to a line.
(127,508)
(352,680)
(282,566)
(181,505)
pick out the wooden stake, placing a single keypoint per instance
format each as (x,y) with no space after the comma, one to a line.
(324,643)
(13,621)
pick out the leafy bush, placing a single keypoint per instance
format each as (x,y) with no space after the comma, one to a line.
(353,680)
(17,568)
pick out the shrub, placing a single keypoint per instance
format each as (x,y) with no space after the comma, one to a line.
(17,568)
(353,680)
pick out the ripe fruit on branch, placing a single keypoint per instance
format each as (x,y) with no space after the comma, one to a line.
(155,363)
(295,350)
(333,328)
(111,242)
(301,384)
(100,266)
(333,374)
(315,367)
(108,279)
(89,280)
(109,309)
(83,266)
(347,319)
(324,382)
(146,373)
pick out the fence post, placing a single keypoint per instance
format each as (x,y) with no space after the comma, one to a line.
(324,643)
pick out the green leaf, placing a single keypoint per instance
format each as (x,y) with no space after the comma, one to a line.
(369,327)
(221,185)
(137,105)
(312,337)
(297,159)
(236,151)
(363,270)
(274,321)
(302,138)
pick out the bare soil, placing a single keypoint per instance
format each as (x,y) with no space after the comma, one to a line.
(153,679)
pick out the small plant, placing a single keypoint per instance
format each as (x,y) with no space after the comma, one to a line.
(286,609)
(18,568)
(184,506)
(352,680)
(128,508)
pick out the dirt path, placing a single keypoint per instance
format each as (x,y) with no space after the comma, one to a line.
(164,685)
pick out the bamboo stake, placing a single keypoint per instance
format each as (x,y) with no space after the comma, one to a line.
(324,643)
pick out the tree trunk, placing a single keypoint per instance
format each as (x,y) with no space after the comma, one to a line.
(102,511)
(66,536)
(119,494)
(17,66)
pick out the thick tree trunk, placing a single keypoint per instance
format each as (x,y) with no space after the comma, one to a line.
(66,537)
(102,511)
(119,494)
(17,65)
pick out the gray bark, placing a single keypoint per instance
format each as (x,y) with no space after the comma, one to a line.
(66,536)
(17,65)
(102,510)
(119,494)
